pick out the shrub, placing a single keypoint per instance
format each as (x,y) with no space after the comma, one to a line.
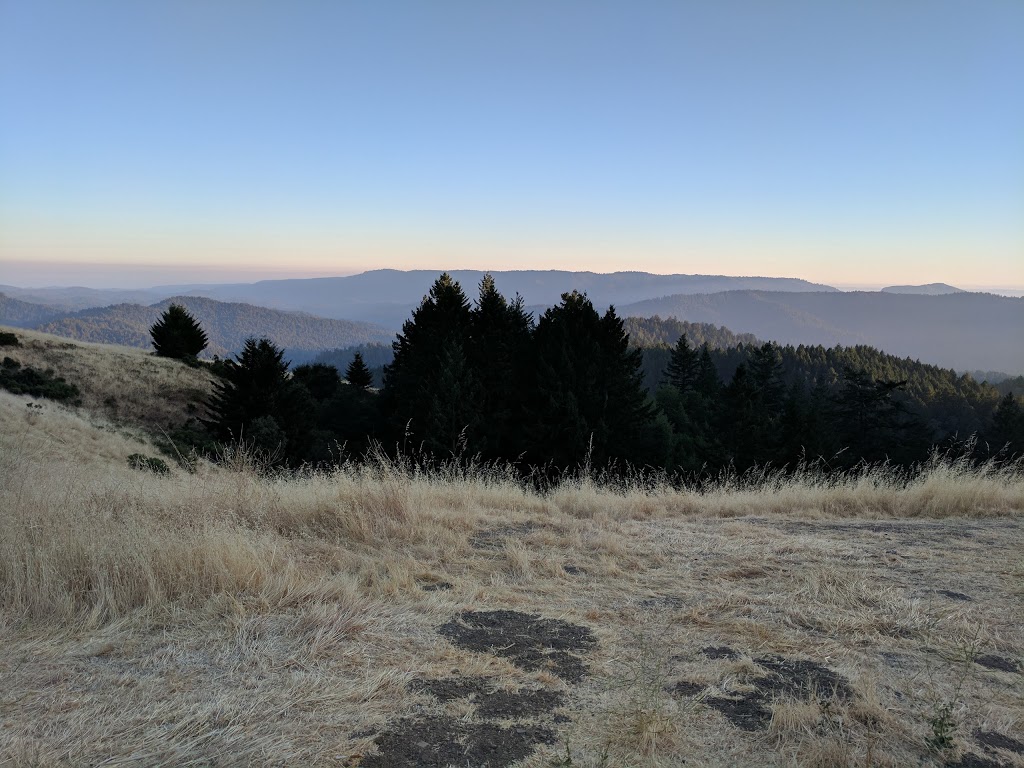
(148,463)
(8,340)
(28,381)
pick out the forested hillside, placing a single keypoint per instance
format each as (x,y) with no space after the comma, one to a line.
(484,380)
(227,325)
(26,314)
(965,331)
(655,332)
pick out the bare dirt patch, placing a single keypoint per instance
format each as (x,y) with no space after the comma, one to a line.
(437,742)
(493,704)
(801,679)
(998,740)
(997,663)
(526,640)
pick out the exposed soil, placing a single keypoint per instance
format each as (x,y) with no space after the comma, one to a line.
(452,688)
(529,642)
(492,705)
(747,712)
(954,595)
(526,640)
(436,742)
(998,663)
(685,688)
(797,678)
(998,741)
(971,760)
(503,705)
(802,678)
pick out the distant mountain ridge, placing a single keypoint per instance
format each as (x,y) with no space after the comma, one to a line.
(77,297)
(387,296)
(227,325)
(26,314)
(931,289)
(963,331)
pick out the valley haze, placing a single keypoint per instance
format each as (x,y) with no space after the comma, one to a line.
(936,323)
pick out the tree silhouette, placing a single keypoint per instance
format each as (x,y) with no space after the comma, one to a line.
(177,334)
(357,374)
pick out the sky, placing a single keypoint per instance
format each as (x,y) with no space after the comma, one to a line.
(852,143)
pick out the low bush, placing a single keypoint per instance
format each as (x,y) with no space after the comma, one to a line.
(148,463)
(23,380)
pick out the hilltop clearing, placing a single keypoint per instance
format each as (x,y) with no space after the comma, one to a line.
(382,615)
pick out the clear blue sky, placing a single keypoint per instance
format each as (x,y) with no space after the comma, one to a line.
(847,142)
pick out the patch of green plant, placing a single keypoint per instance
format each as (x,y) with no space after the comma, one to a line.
(24,380)
(8,339)
(187,443)
(148,463)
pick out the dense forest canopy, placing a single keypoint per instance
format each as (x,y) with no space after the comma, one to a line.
(485,380)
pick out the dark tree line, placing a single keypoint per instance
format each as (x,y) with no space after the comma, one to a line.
(481,379)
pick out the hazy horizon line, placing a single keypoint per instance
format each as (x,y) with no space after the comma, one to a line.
(171,275)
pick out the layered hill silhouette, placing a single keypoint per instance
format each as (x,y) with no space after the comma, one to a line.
(227,325)
(936,323)
(78,297)
(387,296)
(27,314)
(964,331)
(931,289)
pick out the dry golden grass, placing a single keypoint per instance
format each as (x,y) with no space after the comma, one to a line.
(225,617)
(127,386)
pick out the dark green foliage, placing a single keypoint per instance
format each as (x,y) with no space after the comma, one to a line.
(28,381)
(1007,425)
(9,340)
(483,382)
(650,332)
(357,374)
(429,390)
(499,348)
(177,334)
(258,404)
(375,356)
(186,442)
(148,464)
(682,368)
(587,399)
(321,381)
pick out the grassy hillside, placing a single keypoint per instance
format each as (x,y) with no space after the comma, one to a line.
(380,616)
(227,325)
(126,386)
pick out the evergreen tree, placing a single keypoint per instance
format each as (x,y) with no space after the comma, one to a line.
(177,334)
(357,374)
(257,403)
(1007,429)
(431,342)
(872,424)
(683,366)
(320,380)
(498,355)
(588,398)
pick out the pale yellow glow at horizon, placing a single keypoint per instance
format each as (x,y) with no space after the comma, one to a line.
(963,261)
